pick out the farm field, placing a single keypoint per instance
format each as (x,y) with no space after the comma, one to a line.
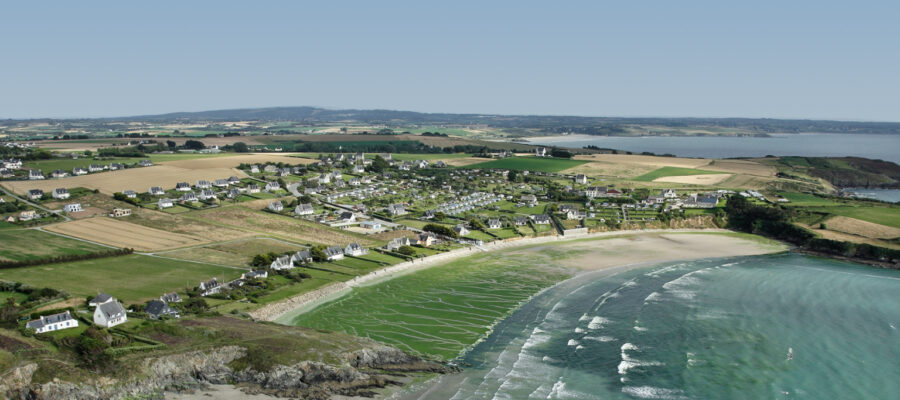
(138,179)
(30,244)
(119,233)
(131,278)
(529,163)
(699,179)
(231,160)
(673,172)
(68,164)
(889,216)
(236,253)
(284,227)
(858,227)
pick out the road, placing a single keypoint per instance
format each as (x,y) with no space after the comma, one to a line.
(35,205)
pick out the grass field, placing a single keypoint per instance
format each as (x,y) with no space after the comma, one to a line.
(30,244)
(156,158)
(530,164)
(672,171)
(236,253)
(888,216)
(130,278)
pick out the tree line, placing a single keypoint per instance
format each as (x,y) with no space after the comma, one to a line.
(65,258)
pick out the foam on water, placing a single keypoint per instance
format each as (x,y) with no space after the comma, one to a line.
(598,322)
(650,392)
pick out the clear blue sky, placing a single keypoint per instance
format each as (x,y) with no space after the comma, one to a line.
(804,59)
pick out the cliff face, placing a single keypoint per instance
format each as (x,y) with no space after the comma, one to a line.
(363,370)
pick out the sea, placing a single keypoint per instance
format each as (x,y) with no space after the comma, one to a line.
(881,147)
(784,326)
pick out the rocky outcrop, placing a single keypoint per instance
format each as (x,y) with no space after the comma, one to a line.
(363,371)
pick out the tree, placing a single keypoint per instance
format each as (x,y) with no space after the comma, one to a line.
(476,223)
(9,313)
(406,250)
(511,176)
(171,144)
(194,145)
(318,253)
(305,199)
(379,164)
(440,230)
(241,147)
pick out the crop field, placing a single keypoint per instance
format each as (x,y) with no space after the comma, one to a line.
(230,160)
(236,253)
(137,179)
(530,164)
(284,227)
(119,233)
(862,228)
(30,244)
(439,311)
(130,278)
(672,171)
(68,164)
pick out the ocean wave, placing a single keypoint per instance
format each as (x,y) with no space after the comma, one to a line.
(651,392)
(584,317)
(652,297)
(629,362)
(579,330)
(601,339)
(598,322)
(572,342)
(538,337)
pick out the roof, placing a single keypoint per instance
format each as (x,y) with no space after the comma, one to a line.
(157,307)
(101,298)
(112,309)
(49,319)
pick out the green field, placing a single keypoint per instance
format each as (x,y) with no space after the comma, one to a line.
(529,163)
(442,310)
(185,156)
(889,216)
(130,278)
(671,171)
(439,156)
(30,244)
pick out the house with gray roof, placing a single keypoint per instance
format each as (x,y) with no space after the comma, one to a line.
(53,322)
(110,314)
(158,308)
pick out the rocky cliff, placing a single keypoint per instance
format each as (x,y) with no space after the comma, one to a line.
(362,371)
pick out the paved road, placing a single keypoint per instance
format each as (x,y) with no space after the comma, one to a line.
(35,205)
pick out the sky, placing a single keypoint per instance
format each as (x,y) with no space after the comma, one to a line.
(776,59)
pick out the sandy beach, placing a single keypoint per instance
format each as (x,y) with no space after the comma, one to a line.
(636,247)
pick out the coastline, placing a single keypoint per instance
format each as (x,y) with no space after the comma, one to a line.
(285,310)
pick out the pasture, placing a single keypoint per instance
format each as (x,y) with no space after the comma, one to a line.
(671,171)
(137,179)
(236,253)
(30,244)
(130,278)
(529,164)
(68,164)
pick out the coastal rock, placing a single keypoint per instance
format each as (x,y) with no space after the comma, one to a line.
(390,359)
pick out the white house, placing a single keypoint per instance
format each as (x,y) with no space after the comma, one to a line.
(396,209)
(283,262)
(120,212)
(669,193)
(102,298)
(74,207)
(35,175)
(355,249)
(494,223)
(252,188)
(334,253)
(370,224)
(53,322)
(131,194)
(304,209)
(95,168)
(581,179)
(206,194)
(276,206)
(60,193)
(156,191)
(77,171)
(110,314)
(183,187)
(209,287)
(35,194)
(272,186)
(397,243)
(540,152)
(302,257)
(257,274)
(28,215)
(461,230)
(165,203)
(203,184)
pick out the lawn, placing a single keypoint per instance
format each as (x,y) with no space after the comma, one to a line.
(30,244)
(672,171)
(529,163)
(479,235)
(504,233)
(131,278)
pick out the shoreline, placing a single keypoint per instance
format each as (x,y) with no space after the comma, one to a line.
(285,310)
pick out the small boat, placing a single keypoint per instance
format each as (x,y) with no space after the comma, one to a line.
(790,353)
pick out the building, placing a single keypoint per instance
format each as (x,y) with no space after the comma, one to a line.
(253,188)
(28,215)
(397,243)
(276,206)
(540,152)
(370,225)
(206,194)
(102,298)
(156,191)
(35,175)
(426,239)
(494,223)
(302,257)
(519,221)
(145,163)
(221,183)
(669,193)
(355,250)
(158,308)
(171,298)
(189,197)
(542,219)
(59,174)
(183,187)
(35,194)
(334,253)
(461,230)
(72,208)
(304,209)
(131,194)
(529,199)
(53,322)
(396,210)
(209,287)
(581,179)
(78,171)
(110,314)
(282,263)
(120,212)
(257,274)
(95,168)
(272,186)
(203,184)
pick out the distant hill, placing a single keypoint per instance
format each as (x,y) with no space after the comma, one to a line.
(545,123)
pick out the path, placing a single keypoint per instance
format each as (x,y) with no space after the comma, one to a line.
(35,205)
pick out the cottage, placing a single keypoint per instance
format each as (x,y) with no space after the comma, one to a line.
(116,166)
(10,219)
(233,180)
(254,169)
(270,168)
(542,219)
(355,250)
(257,274)
(171,298)
(203,184)
(519,221)
(669,193)
(78,171)
(209,287)
(102,298)
(302,257)
(540,152)
(95,168)
(221,183)
(253,188)
(396,210)
(575,214)
(35,175)
(272,186)
(53,322)
(613,193)
(461,230)
(189,197)
(120,212)
(131,194)
(282,263)
(494,223)
(233,193)
(529,199)
(304,209)
(73,208)
(397,243)
(581,179)
(276,206)
(347,216)
(156,191)
(183,187)
(145,163)
(35,194)
(110,314)
(426,239)
(334,253)
(206,194)
(28,215)
(6,173)
(358,169)
(165,203)
(59,174)
(158,308)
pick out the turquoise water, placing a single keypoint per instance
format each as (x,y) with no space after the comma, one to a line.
(884,147)
(709,329)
